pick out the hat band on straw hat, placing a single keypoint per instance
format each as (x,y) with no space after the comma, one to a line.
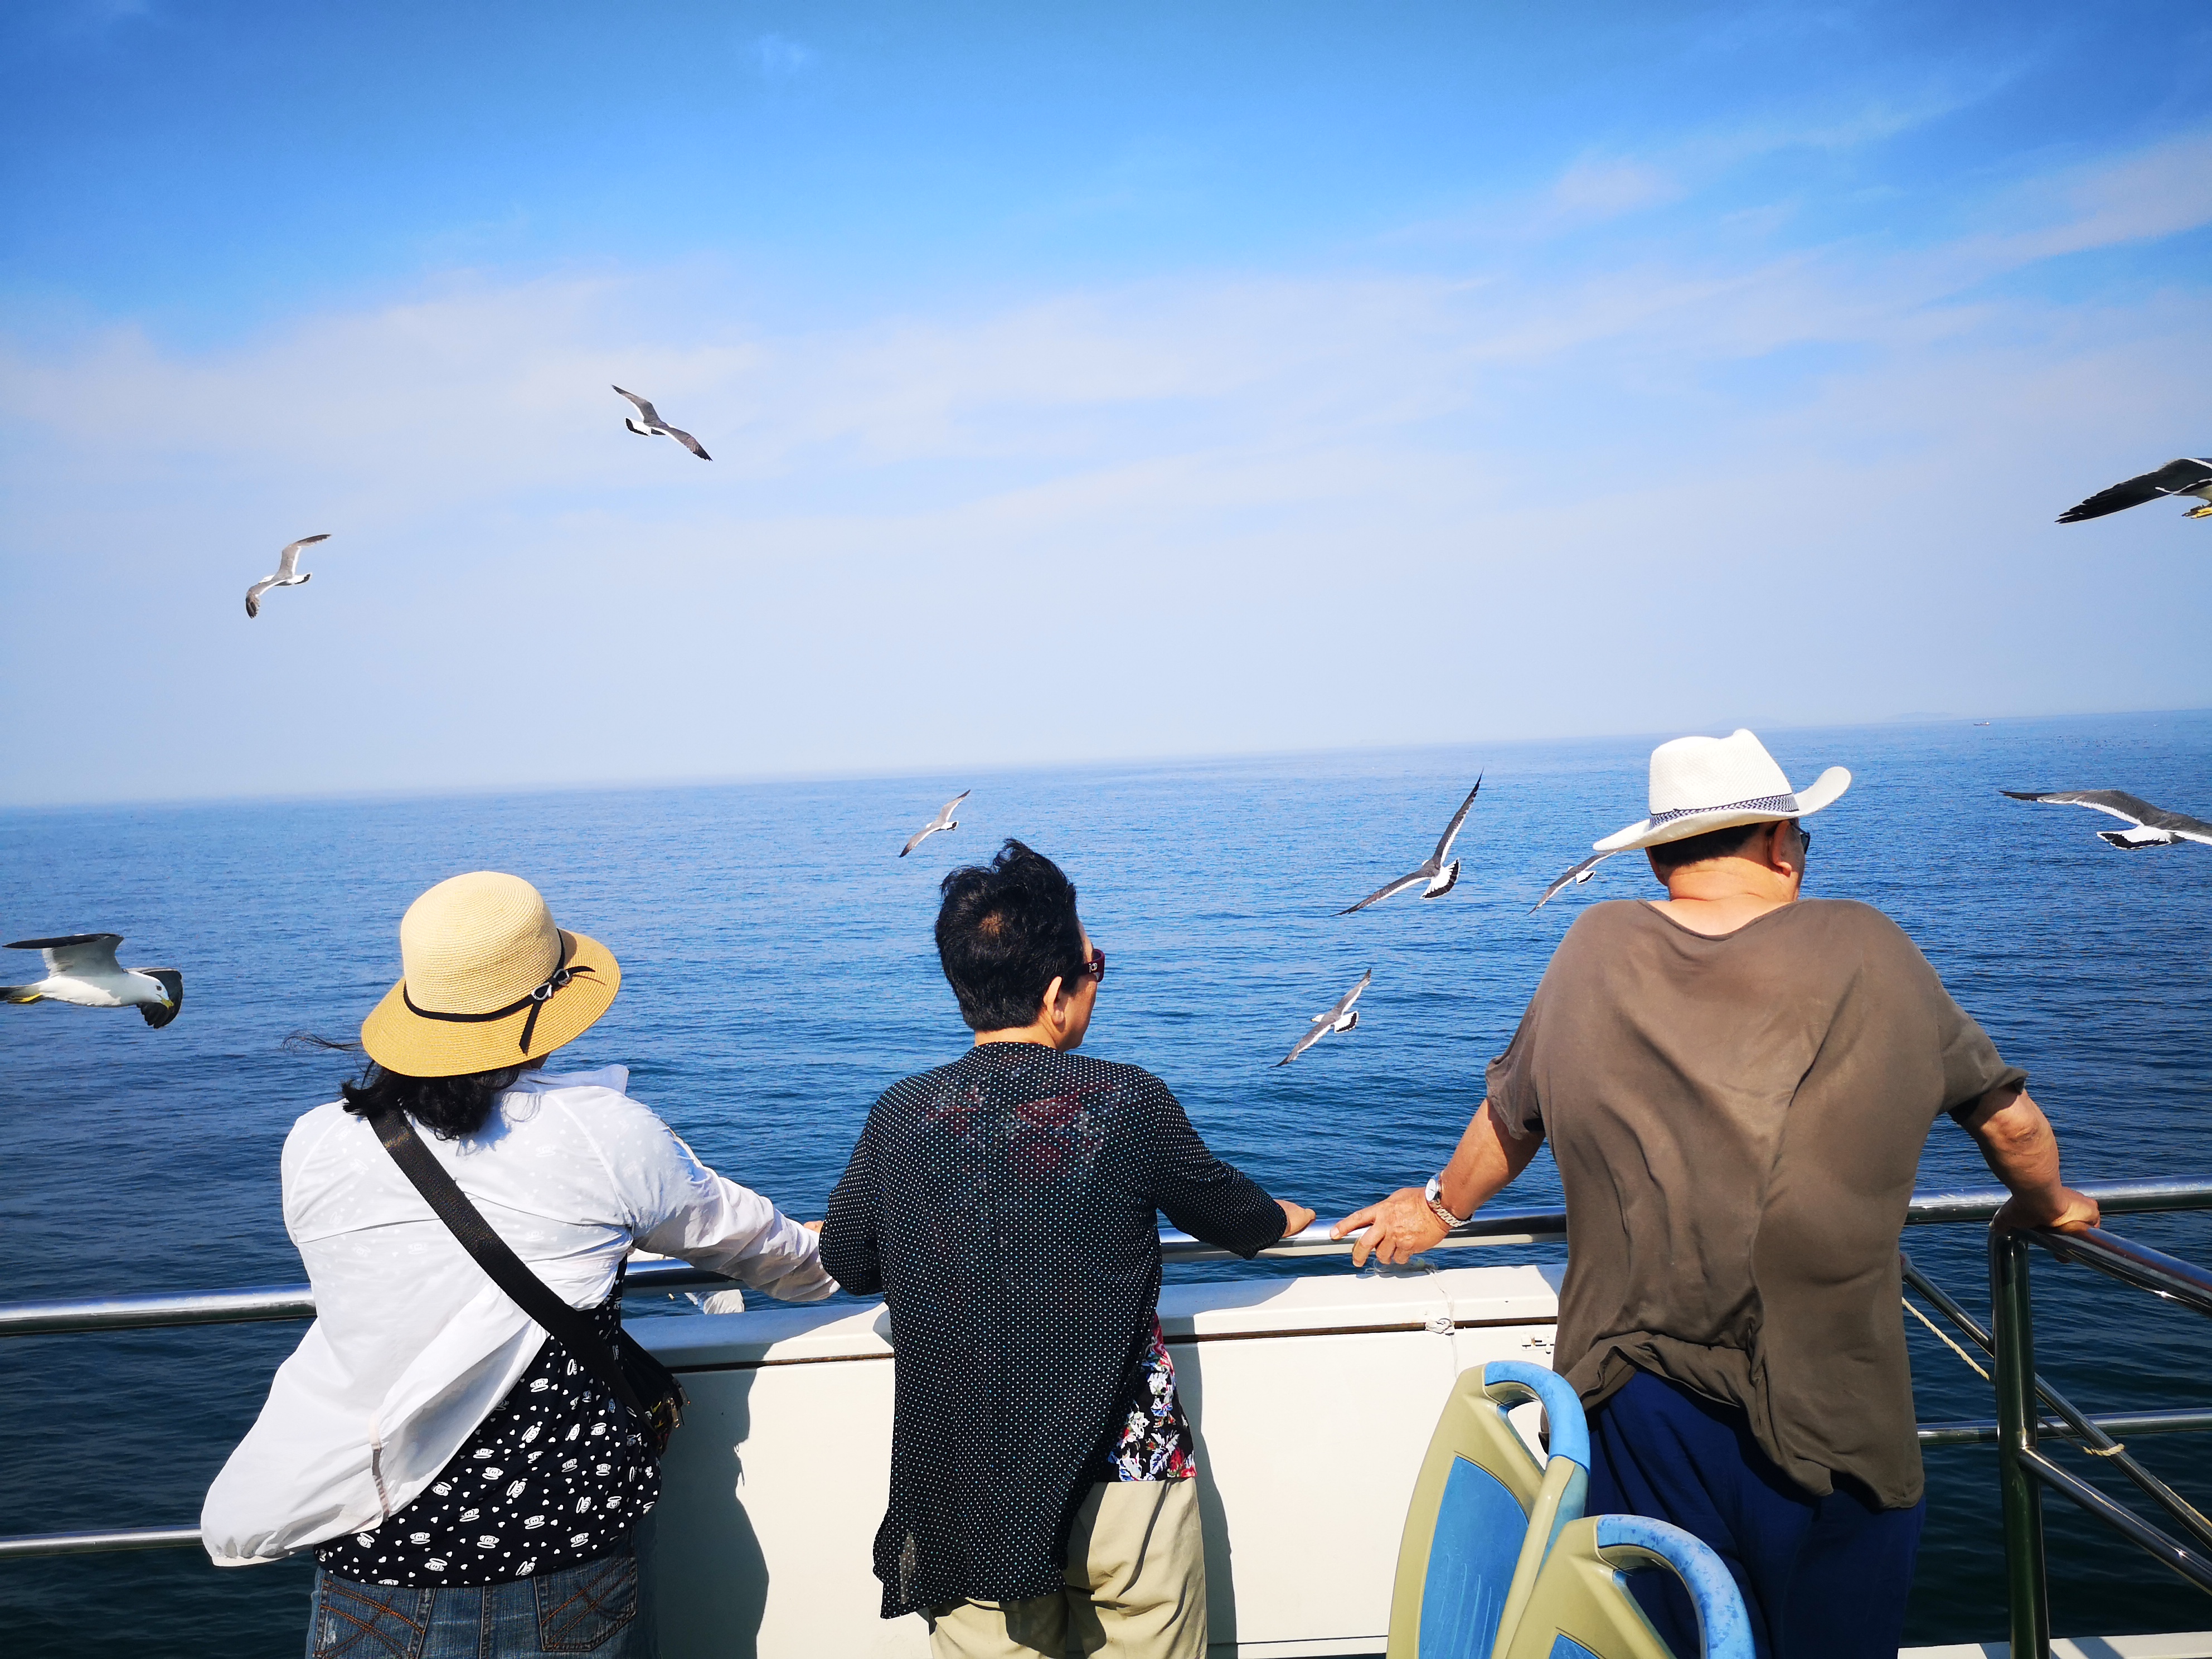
(1783,806)
(535,1002)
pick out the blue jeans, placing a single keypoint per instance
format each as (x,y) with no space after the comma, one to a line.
(1821,1577)
(592,1609)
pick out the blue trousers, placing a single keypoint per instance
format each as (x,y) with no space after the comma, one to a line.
(1822,1577)
(590,1609)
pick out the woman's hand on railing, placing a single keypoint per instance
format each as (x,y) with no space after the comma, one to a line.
(1296,1219)
(1398,1228)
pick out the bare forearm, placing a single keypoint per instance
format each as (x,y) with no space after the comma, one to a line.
(1405,1223)
(1485,1160)
(2018,1144)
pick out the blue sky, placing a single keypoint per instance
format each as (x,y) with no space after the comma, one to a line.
(1082,382)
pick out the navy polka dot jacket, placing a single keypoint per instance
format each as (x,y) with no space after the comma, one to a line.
(1005,1206)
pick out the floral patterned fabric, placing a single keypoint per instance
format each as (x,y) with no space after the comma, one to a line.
(1155,1441)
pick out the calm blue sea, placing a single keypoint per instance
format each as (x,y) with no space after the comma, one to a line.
(778,973)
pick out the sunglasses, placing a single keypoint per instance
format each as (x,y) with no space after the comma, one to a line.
(1095,969)
(1805,839)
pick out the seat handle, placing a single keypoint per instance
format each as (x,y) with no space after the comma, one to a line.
(1512,1382)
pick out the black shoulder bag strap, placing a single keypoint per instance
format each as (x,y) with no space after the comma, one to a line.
(639,1381)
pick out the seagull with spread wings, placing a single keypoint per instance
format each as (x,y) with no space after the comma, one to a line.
(1582,872)
(1342,1017)
(1441,877)
(2185,477)
(650,425)
(944,820)
(288,573)
(81,969)
(2153,825)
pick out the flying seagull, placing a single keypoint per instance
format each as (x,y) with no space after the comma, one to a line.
(653,425)
(81,969)
(1580,873)
(944,820)
(1441,877)
(2182,477)
(1342,1017)
(288,573)
(2153,825)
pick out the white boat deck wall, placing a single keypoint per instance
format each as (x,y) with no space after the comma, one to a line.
(1312,1399)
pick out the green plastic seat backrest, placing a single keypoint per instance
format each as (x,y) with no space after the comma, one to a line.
(1581,1608)
(1484,1512)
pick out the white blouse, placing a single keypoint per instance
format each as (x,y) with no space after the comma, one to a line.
(412,1345)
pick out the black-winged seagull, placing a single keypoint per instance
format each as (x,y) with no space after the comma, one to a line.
(654,427)
(288,573)
(81,969)
(1342,1017)
(944,820)
(1442,878)
(2155,825)
(1581,872)
(2186,477)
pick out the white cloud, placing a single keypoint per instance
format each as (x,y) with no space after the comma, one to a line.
(1599,187)
(1594,189)
(1253,512)
(2155,193)
(778,58)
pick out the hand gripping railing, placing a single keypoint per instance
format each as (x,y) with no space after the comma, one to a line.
(296,1302)
(2023,1469)
(292,1301)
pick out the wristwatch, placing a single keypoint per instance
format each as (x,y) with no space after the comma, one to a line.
(1434,1195)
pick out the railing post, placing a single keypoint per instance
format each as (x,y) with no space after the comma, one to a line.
(2026,1596)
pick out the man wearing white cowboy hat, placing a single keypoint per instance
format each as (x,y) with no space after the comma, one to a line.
(1736,1083)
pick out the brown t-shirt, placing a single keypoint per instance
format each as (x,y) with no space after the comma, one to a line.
(1737,1121)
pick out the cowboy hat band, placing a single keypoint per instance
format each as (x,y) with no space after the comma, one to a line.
(1766,806)
(488,983)
(1699,784)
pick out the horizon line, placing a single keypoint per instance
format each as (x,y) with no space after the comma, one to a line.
(404,793)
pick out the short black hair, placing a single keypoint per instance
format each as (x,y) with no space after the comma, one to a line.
(1672,855)
(1006,930)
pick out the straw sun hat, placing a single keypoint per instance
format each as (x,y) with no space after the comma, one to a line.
(491,981)
(1710,783)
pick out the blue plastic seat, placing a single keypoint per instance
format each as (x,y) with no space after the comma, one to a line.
(1581,1607)
(1483,1513)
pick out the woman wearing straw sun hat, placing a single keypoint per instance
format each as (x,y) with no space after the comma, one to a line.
(463,1437)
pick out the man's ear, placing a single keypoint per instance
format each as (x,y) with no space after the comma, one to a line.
(1777,854)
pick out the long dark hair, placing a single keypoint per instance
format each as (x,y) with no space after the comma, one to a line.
(448,1107)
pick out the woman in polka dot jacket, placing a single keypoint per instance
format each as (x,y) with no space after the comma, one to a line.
(1006,1207)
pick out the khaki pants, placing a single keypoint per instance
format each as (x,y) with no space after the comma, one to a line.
(1136,1587)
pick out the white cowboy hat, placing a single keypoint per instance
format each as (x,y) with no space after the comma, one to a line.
(1709,783)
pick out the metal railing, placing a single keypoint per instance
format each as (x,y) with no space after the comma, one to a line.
(279,1302)
(2024,1469)
(2014,1430)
